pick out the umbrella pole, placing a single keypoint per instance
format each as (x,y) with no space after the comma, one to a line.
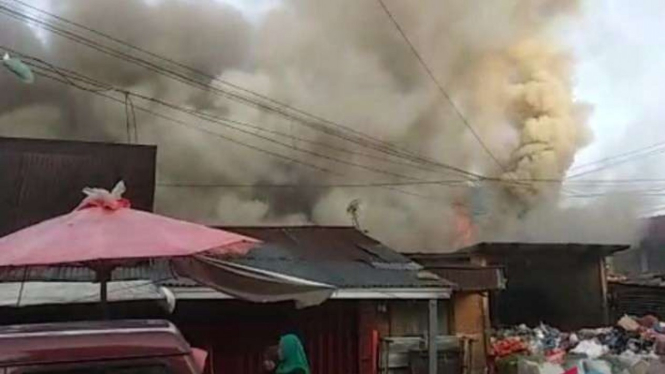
(103,275)
(103,295)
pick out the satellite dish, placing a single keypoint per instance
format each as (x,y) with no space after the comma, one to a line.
(21,70)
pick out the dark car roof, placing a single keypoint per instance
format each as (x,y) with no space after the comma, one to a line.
(89,341)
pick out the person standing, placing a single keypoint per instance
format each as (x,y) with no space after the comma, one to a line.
(292,357)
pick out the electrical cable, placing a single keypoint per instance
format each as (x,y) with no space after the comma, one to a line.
(376,144)
(436,82)
(198,128)
(232,124)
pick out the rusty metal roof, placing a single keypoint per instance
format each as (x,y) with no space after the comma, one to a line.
(519,248)
(467,276)
(325,243)
(157,271)
(339,256)
(44,178)
(645,280)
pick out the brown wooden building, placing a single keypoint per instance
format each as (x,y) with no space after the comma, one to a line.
(639,296)
(561,284)
(470,301)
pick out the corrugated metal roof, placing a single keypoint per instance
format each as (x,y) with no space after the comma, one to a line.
(330,255)
(156,270)
(467,276)
(40,293)
(323,243)
(44,178)
(646,280)
(519,248)
(338,255)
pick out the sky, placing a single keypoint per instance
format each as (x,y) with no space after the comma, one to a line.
(619,70)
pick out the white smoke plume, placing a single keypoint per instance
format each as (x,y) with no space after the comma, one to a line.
(550,124)
(344,61)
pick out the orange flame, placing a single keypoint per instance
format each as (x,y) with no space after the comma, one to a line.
(464,227)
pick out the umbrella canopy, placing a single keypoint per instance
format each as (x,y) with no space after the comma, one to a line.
(104,231)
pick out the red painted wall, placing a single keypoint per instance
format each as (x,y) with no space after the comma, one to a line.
(236,342)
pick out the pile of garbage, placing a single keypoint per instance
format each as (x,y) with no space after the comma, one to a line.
(633,346)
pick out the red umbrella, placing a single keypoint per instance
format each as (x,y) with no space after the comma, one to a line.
(104,232)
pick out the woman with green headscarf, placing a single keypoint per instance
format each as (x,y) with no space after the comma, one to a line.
(292,358)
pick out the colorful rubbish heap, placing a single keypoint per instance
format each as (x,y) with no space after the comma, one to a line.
(633,346)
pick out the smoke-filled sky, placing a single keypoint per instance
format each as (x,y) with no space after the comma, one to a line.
(619,55)
(547,84)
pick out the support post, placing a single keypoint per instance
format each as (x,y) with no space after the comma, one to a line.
(433,332)
(104,299)
(103,277)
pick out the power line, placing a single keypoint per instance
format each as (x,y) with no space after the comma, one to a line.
(622,159)
(188,68)
(103,88)
(594,195)
(375,144)
(183,123)
(217,120)
(228,123)
(68,79)
(620,155)
(419,161)
(446,183)
(188,81)
(131,126)
(253,147)
(62,77)
(438,85)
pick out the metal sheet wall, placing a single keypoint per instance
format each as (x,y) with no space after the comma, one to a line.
(636,300)
(329,332)
(44,178)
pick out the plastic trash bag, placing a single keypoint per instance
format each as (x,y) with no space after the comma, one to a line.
(591,349)
(100,197)
(532,367)
(629,324)
(597,367)
(656,367)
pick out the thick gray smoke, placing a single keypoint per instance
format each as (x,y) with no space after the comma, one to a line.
(344,61)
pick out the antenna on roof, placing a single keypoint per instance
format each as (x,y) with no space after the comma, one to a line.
(353,209)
